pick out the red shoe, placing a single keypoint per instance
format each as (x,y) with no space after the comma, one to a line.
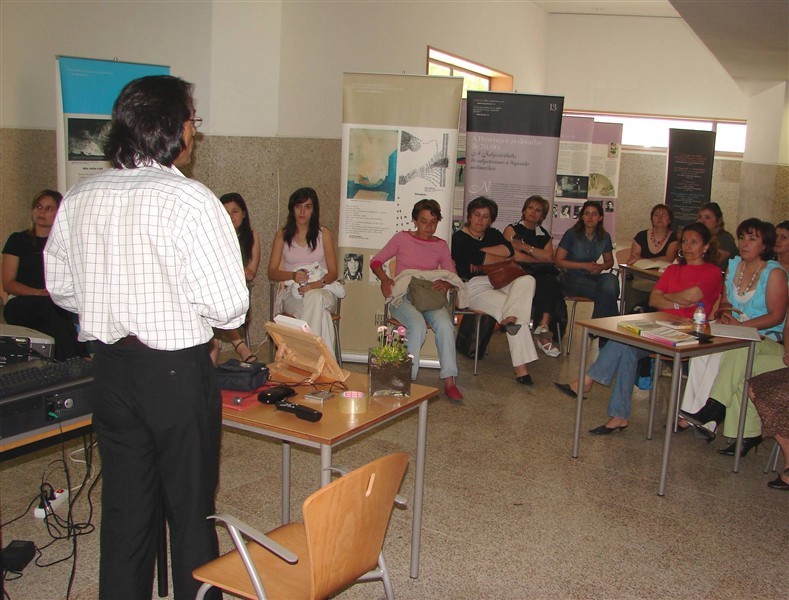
(452,392)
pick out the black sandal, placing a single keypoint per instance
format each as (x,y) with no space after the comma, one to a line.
(250,359)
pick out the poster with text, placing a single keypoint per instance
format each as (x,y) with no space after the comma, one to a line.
(399,146)
(571,179)
(604,171)
(691,157)
(512,143)
(87,89)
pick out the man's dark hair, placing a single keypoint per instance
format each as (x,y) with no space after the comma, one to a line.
(148,121)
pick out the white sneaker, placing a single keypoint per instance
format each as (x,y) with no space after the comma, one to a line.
(540,329)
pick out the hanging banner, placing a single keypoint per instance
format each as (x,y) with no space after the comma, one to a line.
(691,156)
(399,146)
(87,89)
(512,144)
(572,173)
(604,170)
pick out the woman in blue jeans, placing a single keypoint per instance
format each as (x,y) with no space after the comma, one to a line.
(581,246)
(681,287)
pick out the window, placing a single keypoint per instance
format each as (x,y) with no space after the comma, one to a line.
(642,131)
(476,77)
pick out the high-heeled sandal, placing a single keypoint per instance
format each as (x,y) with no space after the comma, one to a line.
(711,411)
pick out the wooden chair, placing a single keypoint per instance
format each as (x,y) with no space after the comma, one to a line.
(338,544)
(335,319)
(575,300)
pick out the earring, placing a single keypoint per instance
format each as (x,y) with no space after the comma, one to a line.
(680,254)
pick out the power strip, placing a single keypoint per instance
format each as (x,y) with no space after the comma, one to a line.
(61,496)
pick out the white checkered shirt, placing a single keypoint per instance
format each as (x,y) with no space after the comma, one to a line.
(148,252)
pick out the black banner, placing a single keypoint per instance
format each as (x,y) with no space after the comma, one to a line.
(689,173)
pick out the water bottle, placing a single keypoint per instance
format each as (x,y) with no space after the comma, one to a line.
(699,317)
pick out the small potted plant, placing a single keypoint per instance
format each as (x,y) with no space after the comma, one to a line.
(389,364)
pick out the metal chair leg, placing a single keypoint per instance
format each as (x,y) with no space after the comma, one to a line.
(570,328)
(772,461)
(477,322)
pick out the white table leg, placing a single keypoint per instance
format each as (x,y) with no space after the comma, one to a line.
(285,511)
(580,396)
(419,489)
(325,464)
(676,374)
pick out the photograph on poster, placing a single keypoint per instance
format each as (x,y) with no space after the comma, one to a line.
(555,211)
(86,138)
(565,211)
(609,206)
(372,164)
(354,265)
(600,186)
(576,211)
(571,186)
(613,150)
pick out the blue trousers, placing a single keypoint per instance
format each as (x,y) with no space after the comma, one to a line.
(618,362)
(415,323)
(602,288)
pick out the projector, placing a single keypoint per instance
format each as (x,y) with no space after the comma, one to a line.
(18,344)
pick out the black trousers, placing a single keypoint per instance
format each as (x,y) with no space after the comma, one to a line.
(41,314)
(157,417)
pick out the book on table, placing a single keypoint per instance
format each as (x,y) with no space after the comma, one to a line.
(648,264)
(652,330)
(679,324)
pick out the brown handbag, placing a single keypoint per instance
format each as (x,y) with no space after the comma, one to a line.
(503,273)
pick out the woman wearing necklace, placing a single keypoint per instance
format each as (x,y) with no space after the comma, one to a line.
(578,252)
(658,242)
(754,295)
(477,244)
(533,248)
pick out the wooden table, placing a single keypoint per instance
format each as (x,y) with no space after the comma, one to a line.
(607,328)
(336,428)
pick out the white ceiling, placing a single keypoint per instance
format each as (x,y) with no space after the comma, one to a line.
(749,38)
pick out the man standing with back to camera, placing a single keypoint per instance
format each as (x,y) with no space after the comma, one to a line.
(150,262)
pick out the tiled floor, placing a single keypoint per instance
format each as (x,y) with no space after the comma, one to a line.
(508,513)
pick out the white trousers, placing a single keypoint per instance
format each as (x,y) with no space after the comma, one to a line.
(513,300)
(315,308)
(701,375)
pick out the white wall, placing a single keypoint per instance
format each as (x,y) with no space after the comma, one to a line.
(245,59)
(177,34)
(637,65)
(321,40)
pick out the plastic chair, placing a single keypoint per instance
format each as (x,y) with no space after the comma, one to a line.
(338,544)
(335,319)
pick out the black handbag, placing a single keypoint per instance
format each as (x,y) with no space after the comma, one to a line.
(465,343)
(241,376)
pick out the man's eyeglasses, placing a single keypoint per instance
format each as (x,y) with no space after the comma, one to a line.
(45,207)
(197,121)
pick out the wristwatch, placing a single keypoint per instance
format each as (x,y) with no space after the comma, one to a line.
(676,306)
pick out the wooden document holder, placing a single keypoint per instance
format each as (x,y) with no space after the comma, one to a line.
(302,356)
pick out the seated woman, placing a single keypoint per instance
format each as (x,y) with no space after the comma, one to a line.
(249,242)
(421,250)
(754,296)
(581,246)
(769,393)
(304,256)
(681,287)
(533,248)
(711,215)
(29,304)
(477,244)
(658,243)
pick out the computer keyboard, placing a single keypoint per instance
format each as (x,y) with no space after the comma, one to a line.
(44,375)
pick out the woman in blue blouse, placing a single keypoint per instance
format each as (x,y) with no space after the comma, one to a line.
(578,252)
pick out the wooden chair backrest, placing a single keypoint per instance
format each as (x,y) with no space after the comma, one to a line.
(346,522)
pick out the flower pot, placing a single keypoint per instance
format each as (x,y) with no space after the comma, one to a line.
(389,379)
